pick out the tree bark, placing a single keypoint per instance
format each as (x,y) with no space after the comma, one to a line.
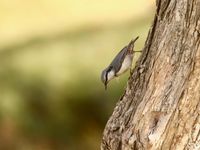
(160,108)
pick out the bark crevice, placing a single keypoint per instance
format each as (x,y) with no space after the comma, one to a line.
(161,104)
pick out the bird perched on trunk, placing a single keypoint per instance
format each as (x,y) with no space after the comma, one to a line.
(120,64)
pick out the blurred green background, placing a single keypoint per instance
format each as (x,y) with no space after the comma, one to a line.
(52,53)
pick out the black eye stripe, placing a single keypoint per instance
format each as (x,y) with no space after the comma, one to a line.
(109,69)
(106,76)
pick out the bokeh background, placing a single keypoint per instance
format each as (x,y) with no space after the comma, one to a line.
(52,53)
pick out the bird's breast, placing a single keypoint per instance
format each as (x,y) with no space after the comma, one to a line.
(126,64)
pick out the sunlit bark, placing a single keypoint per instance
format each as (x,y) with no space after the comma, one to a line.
(160,108)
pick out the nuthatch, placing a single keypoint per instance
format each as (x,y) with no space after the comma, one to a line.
(120,64)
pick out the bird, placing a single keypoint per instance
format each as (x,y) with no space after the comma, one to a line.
(120,64)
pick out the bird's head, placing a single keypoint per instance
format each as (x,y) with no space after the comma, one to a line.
(106,75)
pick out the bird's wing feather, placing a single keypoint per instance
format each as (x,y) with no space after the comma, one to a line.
(119,58)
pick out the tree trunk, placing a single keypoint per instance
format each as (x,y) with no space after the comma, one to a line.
(160,108)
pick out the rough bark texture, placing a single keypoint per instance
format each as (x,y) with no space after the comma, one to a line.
(160,108)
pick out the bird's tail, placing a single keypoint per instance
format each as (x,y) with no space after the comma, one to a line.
(131,45)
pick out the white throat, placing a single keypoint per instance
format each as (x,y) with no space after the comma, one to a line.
(110,75)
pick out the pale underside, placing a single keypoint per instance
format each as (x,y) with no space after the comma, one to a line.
(125,65)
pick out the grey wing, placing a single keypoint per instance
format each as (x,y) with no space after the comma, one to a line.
(119,58)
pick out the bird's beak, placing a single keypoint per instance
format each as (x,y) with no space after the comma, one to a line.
(105,85)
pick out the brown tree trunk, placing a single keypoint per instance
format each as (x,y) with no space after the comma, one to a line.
(160,108)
